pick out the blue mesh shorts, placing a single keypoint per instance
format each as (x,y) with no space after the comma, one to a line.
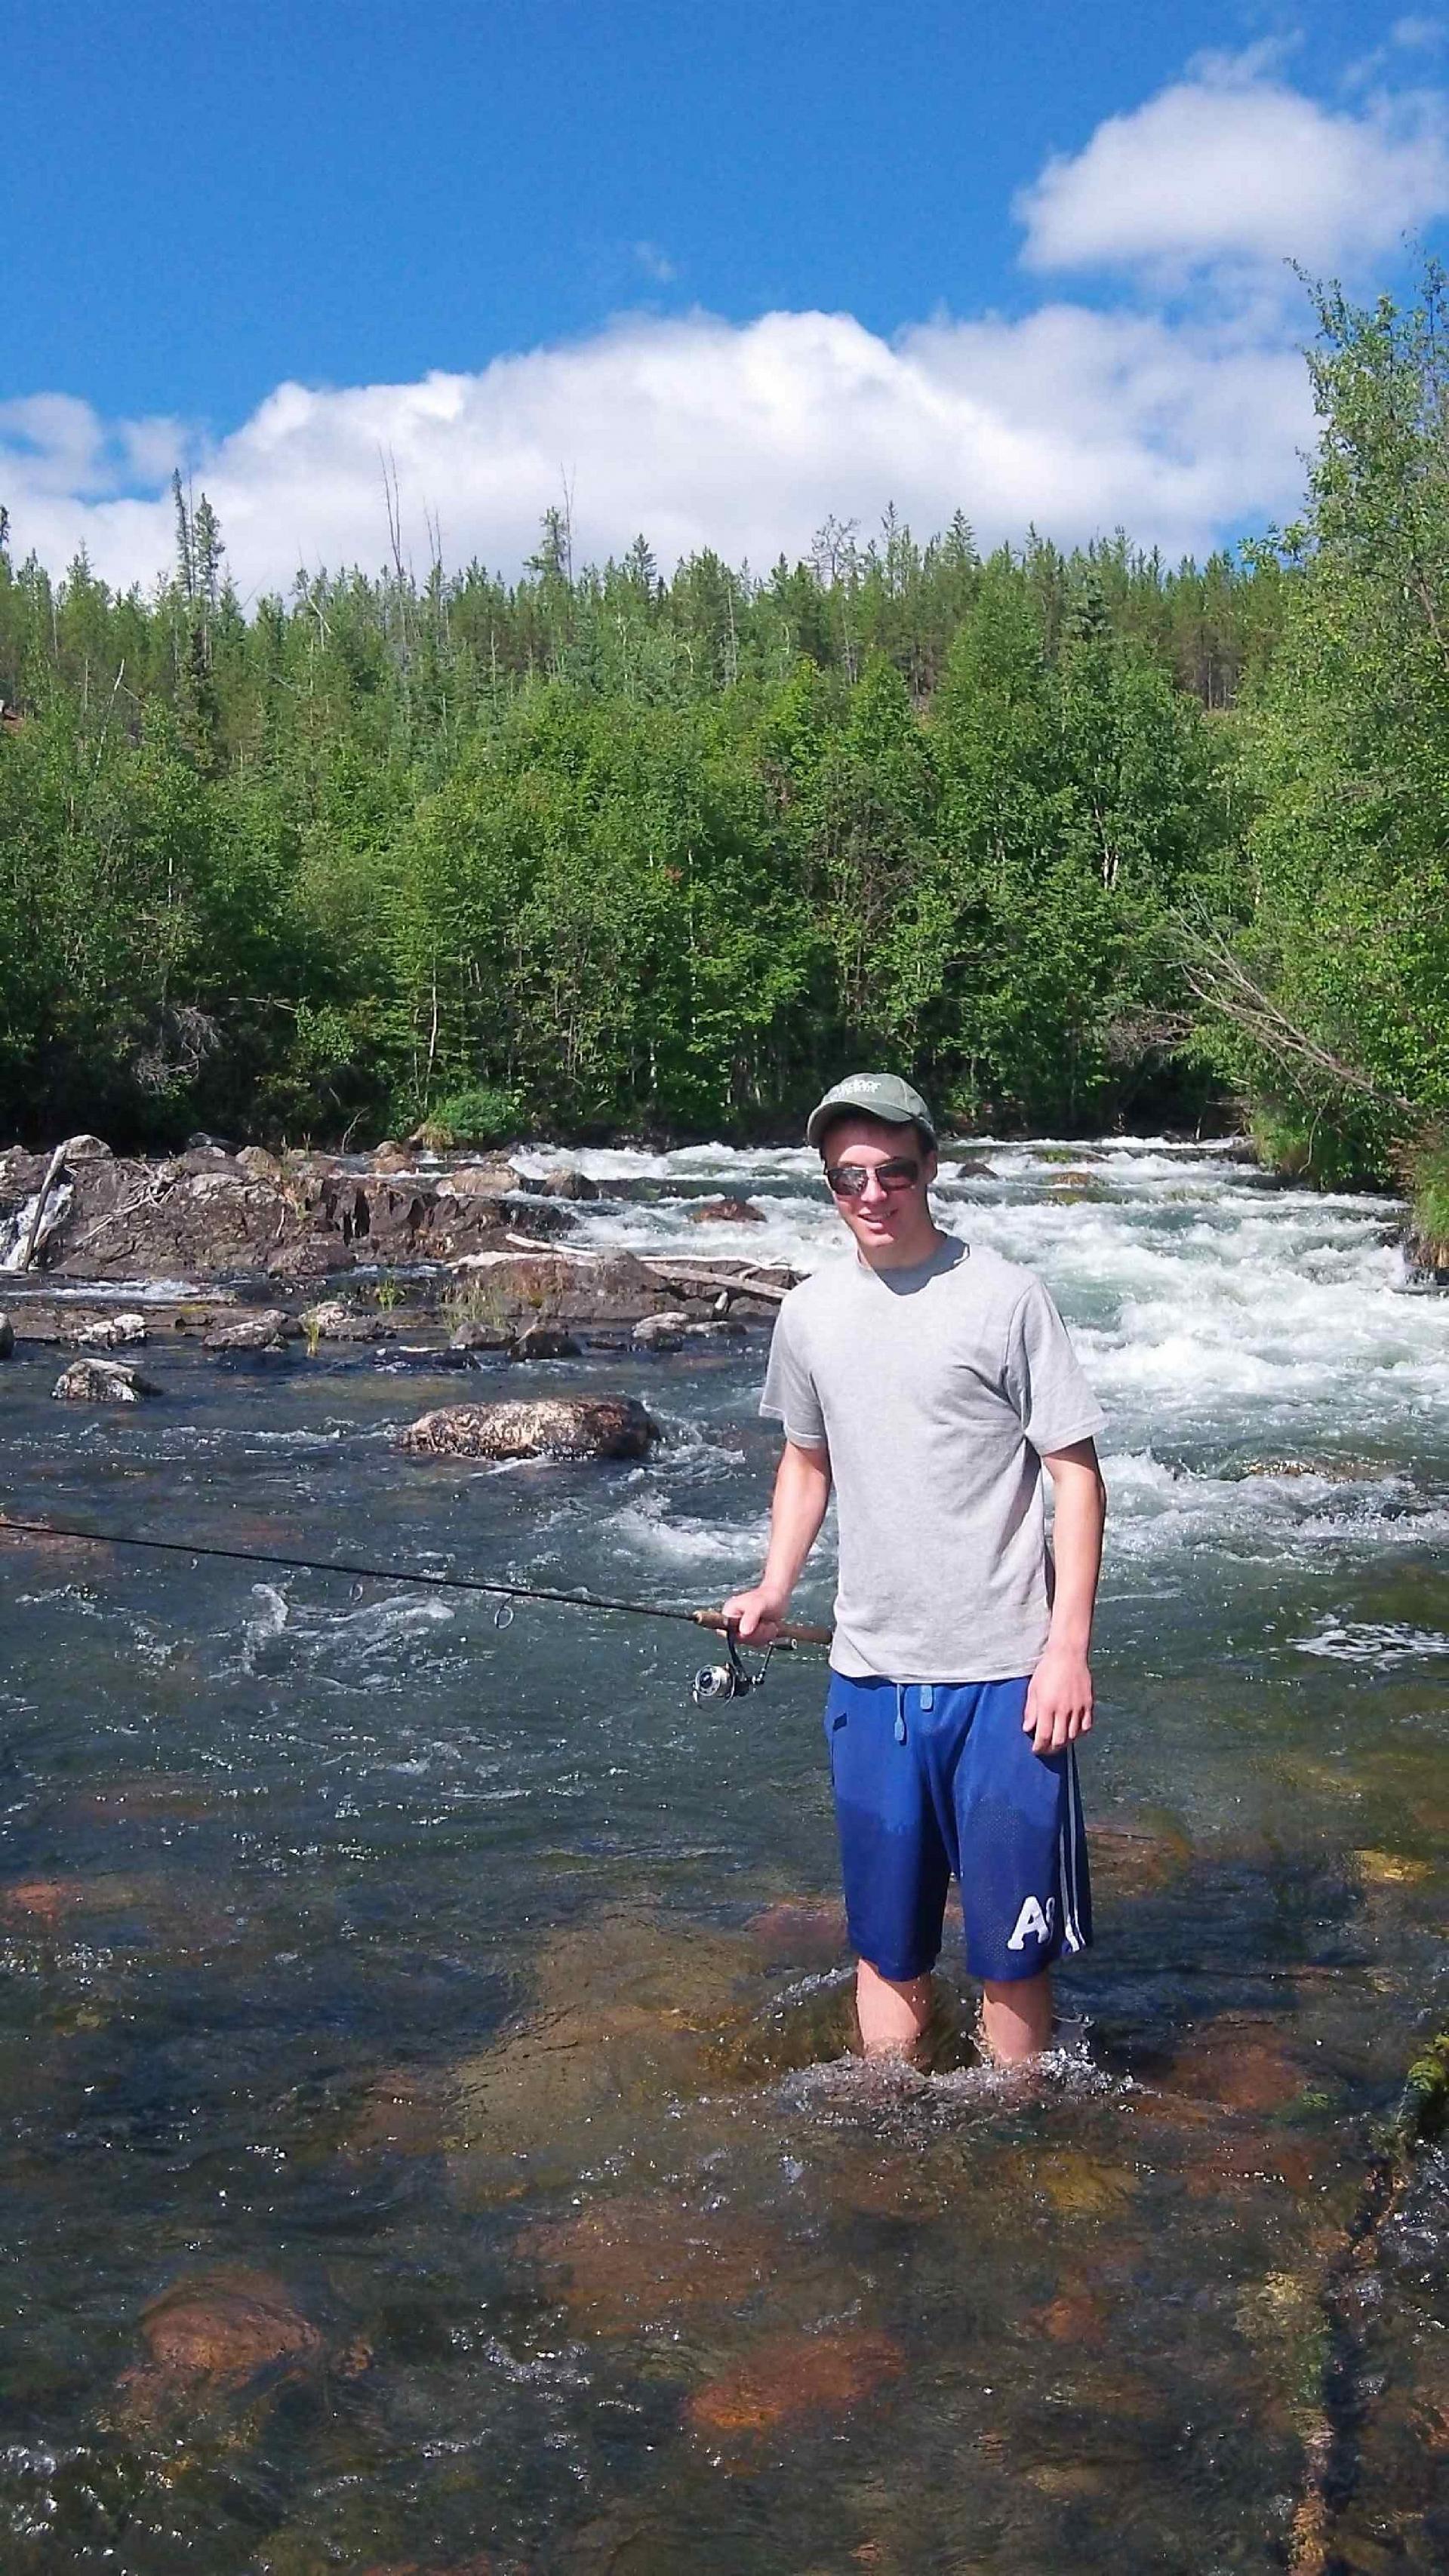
(935,1781)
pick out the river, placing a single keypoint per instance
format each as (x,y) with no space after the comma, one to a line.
(429,2140)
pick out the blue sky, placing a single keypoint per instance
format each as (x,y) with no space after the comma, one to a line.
(1043,229)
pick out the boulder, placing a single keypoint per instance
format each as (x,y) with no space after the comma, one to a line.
(110,1332)
(267,1330)
(543,1342)
(718,1328)
(334,1321)
(93,1381)
(479,1181)
(7,1338)
(726,1212)
(552,1427)
(204,1143)
(564,1182)
(87,1149)
(476,1336)
(313,1257)
(661,1332)
(389,1156)
(258,1164)
(577,1288)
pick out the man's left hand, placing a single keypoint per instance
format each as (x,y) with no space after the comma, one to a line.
(1058,1701)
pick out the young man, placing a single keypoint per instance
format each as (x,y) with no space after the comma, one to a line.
(931,1381)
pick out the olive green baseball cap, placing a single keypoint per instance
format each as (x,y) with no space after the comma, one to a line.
(871,1095)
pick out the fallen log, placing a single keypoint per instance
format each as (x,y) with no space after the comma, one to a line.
(684,1276)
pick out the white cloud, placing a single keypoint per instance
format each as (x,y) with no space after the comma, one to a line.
(702,432)
(655,263)
(1180,423)
(1232,166)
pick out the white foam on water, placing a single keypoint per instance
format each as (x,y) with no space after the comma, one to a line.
(1380,1643)
(1208,1308)
(649,1530)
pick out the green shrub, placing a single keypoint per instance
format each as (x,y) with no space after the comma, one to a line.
(1298,1146)
(483,1115)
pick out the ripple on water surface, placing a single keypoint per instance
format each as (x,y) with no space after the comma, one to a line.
(433,2139)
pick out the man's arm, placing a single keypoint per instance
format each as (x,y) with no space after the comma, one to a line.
(802,1492)
(1059,1701)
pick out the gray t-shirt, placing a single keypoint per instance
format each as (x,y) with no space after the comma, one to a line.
(936,1390)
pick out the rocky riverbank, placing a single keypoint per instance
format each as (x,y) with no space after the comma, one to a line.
(468,1252)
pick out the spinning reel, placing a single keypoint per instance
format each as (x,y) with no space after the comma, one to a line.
(732,1679)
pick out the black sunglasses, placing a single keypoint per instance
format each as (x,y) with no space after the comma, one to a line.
(848,1180)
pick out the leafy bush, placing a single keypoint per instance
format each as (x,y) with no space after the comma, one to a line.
(483,1115)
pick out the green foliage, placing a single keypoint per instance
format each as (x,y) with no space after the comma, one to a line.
(1333,998)
(482,1116)
(600,849)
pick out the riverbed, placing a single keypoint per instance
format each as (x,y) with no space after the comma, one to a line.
(431,2141)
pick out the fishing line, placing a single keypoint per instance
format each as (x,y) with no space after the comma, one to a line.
(788,1637)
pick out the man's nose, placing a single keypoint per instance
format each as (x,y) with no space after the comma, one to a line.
(874,1187)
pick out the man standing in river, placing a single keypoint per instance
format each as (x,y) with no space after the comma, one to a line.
(930,1382)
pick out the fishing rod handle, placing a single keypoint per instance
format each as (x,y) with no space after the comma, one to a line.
(792,1634)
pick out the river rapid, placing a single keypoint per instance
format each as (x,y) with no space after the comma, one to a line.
(430,2136)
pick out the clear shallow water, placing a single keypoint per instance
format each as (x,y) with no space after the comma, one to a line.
(452,2020)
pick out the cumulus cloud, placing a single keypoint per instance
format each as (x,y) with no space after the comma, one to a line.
(1232,165)
(1180,423)
(702,432)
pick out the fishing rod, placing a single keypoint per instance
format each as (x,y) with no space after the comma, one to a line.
(730,1680)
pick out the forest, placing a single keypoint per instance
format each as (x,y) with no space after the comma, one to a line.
(1079,840)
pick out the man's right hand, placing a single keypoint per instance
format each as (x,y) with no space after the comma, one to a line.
(757,1616)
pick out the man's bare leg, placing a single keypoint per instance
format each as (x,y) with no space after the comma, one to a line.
(1017,2018)
(893,2013)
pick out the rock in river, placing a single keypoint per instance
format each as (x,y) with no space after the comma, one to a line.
(726,1212)
(92,1381)
(110,1332)
(267,1330)
(7,1338)
(544,1342)
(223,2334)
(554,1427)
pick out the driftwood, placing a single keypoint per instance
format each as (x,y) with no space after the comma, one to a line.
(53,1170)
(683,1276)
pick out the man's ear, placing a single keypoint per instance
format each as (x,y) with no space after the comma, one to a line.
(931,1166)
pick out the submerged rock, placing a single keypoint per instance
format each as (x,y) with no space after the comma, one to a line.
(1243,2064)
(791,2377)
(219,2336)
(628,2010)
(626,2263)
(92,1381)
(553,1427)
